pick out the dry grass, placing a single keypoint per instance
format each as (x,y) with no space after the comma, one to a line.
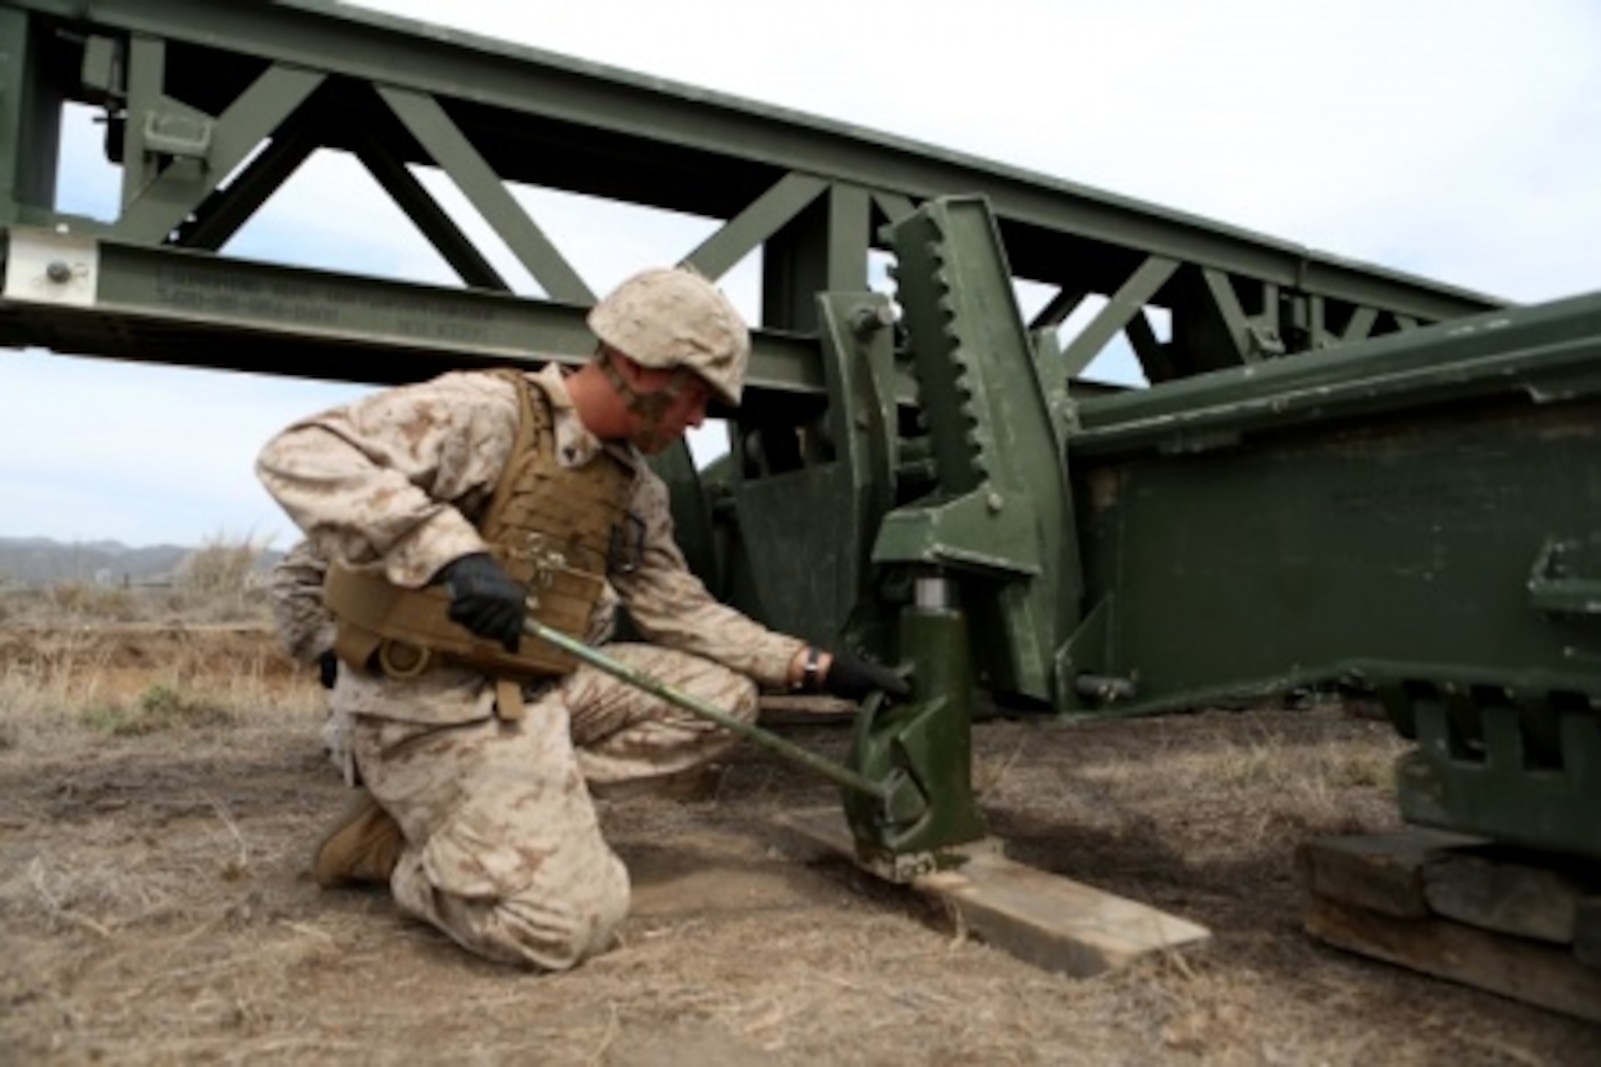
(161,786)
(138,678)
(217,583)
(126,661)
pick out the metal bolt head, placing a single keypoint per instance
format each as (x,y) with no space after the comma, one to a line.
(869,319)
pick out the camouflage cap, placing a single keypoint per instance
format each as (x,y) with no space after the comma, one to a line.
(674,317)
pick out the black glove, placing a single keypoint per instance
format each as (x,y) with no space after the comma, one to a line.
(484,599)
(328,669)
(854,678)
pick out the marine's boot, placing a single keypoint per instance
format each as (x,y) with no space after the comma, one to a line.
(363,846)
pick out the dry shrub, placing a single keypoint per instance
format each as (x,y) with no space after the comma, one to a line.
(220,567)
(158,708)
(76,602)
(218,582)
(134,680)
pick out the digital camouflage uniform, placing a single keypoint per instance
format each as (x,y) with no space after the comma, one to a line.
(503,851)
(294,589)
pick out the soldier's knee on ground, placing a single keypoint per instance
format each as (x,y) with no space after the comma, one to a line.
(550,910)
(560,938)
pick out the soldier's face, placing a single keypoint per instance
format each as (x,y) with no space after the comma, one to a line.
(685,399)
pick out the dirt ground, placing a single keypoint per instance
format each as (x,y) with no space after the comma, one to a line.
(160,790)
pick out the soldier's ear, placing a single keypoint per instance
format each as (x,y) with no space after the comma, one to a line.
(616,361)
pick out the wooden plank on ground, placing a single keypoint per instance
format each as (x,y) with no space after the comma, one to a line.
(1486,889)
(1042,918)
(786,709)
(1587,932)
(1380,872)
(1545,975)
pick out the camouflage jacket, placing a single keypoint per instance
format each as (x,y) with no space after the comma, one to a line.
(295,590)
(386,485)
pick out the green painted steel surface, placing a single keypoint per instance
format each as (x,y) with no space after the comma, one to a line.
(1406,541)
(1384,503)
(31,95)
(999,513)
(182,307)
(1513,767)
(1415,519)
(925,741)
(813,485)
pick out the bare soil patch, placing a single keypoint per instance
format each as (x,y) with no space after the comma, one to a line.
(160,789)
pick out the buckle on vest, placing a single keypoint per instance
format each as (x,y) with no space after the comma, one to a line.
(401,660)
(624,554)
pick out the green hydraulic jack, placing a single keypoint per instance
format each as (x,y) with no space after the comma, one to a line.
(925,741)
(907,788)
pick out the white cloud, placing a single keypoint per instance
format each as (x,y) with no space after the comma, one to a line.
(1454,139)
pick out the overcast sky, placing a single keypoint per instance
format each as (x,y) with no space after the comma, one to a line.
(1458,140)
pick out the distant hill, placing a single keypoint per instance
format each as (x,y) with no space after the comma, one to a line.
(40,561)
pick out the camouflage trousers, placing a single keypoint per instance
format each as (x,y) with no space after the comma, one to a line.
(503,849)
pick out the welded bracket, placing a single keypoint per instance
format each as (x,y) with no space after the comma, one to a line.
(1555,589)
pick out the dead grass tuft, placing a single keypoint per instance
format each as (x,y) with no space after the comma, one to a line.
(156,709)
(217,581)
(82,601)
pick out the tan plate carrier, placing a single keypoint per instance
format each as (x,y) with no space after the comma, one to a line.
(542,522)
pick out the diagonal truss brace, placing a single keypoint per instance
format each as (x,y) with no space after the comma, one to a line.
(788,197)
(436,225)
(159,196)
(455,154)
(222,214)
(1129,301)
